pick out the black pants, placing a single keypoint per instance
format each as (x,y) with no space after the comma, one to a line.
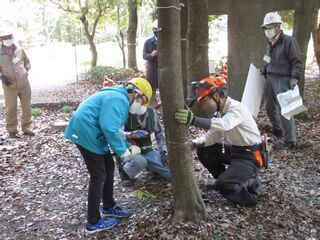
(239,182)
(101,171)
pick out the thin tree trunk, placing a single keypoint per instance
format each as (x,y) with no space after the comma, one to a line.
(132,33)
(119,37)
(188,204)
(93,48)
(301,32)
(316,36)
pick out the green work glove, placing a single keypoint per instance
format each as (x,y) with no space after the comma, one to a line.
(185,116)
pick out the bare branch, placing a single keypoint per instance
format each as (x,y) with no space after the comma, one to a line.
(66,9)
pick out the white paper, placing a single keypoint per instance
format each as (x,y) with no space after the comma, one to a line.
(253,90)
(291,103)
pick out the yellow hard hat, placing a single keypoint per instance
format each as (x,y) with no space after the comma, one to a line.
(144,86)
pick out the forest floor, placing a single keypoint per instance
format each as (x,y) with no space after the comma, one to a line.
(43,187)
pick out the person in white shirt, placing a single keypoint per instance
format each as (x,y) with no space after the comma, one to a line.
(232,139)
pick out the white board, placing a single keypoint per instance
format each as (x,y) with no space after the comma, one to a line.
(253,90)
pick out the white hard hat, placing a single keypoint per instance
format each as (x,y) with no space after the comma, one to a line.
(271,18)
(155,24)
(5,32)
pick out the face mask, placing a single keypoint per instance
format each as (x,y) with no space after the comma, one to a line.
(137,108)
(141,110)
(8,42)
(269,33)
(156,34)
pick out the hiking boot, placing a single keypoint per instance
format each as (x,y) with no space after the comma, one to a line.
(13,135)
(284,146)
(28,132)
(125,180)
(115,211)
(101,225)
(277,132)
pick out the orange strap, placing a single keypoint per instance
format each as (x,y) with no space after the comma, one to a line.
(258,156)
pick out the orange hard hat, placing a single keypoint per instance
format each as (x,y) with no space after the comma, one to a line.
(206,86)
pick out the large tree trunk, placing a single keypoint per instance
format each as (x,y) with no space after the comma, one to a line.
(132,33)
(316,36)
(188,204)
(93,48)
(184,28)
(197,40)
(197,45)
(301,31)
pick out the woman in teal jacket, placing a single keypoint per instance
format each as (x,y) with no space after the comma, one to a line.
(95,129)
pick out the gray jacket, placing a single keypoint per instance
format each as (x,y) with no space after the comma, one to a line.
(285,58)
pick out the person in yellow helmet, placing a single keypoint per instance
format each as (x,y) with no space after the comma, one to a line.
(95,129)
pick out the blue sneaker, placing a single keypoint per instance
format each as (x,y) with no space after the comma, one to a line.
(115,211)
(101,225)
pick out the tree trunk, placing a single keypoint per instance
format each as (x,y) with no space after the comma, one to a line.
(197,40)
(188,204)
(119,37)
(301,32)
(184,29)
(132,33)
(316,36)
(93,48)
(197,45)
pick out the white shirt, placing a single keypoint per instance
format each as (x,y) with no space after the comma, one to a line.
(236,127)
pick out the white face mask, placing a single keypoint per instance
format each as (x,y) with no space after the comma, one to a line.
(137,108)
(8,42)
(270,33)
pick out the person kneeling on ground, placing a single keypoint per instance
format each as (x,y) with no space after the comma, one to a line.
(95,129)
(232,139)
(140,129)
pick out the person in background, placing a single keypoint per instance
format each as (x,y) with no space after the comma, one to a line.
(233,139)
(283,69)
(95,129)
(14,67)
(150,54)
(141,129)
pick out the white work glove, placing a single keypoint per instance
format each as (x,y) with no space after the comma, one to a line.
(134,150)
(197,143)
(293,83)
(127,153)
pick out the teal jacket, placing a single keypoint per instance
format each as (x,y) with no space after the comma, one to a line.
(98,119)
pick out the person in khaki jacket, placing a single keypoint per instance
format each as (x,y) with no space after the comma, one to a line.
(14,67)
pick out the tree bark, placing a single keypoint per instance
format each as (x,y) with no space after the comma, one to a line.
(132,33)
(93,48)
(197,40)
(301,32)
(188,204)
(184,29)
(316,36)
(120,38)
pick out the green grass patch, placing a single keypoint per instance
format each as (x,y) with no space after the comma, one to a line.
(36,112)
(67,109)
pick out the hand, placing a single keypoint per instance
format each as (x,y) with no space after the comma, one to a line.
(164,156)
(185,116)
(137,134)
(134,150)
(6,80)
(293,83)
(262,71)
(154,53)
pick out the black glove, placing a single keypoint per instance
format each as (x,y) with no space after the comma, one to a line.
(6,80)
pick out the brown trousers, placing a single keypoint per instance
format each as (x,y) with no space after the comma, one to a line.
(11,103)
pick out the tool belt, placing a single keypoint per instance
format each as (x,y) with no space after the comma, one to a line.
(259,151)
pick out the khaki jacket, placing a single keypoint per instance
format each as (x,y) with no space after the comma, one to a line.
(15,64)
